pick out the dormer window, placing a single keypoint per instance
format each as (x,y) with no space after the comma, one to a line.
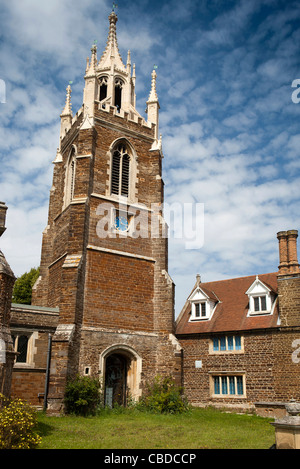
(202,305)
(261,298)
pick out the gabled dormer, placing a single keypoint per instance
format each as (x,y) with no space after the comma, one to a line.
(261,298)
(203,304)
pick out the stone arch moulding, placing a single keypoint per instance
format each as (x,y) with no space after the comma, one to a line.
(135,369)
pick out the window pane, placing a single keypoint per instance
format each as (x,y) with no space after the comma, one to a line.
(237,342)
(197,310)
(239,383)
(224,385)
(22,349)
(230,342)
(203,309)
(263,303)
(223,343)
(216,384)
(231,385)
(216,344)
(256,304)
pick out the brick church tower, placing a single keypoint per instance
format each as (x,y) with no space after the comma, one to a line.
(104,258)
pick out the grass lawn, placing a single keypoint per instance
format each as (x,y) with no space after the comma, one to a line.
(198,429)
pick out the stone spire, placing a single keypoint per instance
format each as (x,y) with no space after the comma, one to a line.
(111,56)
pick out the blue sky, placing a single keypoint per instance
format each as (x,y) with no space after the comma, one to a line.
(231,132)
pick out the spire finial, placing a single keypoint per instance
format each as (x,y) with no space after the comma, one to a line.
(68,106)
(111,56)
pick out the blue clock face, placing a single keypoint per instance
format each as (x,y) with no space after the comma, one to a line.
(121,223)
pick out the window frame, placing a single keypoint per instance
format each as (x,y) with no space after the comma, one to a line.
(16,334)
(227,382)
(196,308)
(260,299)
(223,344)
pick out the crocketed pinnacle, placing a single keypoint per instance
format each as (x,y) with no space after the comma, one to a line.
(68,107)
(91,67)
(153,94)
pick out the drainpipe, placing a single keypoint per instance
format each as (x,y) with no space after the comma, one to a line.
(47,371)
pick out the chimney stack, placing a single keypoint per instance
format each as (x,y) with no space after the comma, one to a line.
(3,209)
(288,260)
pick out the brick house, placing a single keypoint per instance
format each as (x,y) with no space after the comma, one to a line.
(241,338)
(103,305)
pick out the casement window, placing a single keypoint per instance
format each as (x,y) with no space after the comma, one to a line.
(229,385)
(120,172)
(200,310)
(21,343)
(260,303)
(227,343)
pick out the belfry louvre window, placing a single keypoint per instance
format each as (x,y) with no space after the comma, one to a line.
(120,172)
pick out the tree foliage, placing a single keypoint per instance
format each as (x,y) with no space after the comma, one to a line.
(22,292)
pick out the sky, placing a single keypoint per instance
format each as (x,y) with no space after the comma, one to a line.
(228,75)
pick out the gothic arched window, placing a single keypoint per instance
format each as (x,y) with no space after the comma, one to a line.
(118,93)
(120,171)
(70,177)
(103,88)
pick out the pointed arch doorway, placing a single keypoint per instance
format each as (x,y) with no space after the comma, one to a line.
(120,369)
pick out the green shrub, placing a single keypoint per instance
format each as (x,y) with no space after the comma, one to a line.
(17,424)
(163,396)
(82,395)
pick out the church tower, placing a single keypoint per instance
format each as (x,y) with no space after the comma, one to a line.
(104,260)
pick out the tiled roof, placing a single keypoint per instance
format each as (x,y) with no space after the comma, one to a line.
(231,311)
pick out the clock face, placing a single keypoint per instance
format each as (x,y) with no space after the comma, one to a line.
(121,223)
